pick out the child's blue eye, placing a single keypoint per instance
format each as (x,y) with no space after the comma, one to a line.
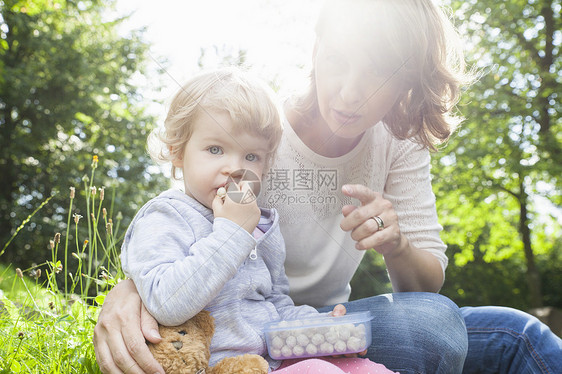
(215,150)
(251,157)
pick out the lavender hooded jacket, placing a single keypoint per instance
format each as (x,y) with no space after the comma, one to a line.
(182,260)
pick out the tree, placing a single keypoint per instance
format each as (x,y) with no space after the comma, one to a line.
(509,150)
(67,92)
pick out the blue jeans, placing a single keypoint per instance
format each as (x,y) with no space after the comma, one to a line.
(414,332)
(506,340)
(423,333)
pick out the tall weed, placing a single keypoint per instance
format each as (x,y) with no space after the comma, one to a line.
(48,312)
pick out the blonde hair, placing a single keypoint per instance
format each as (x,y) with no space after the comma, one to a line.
(425,52)
(248,102)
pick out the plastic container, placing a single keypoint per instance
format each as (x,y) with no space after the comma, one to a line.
(319,336)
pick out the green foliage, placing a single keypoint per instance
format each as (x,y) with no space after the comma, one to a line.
(68,90)
(481,282)
(370,278)
(477,223)
(47,313)
(43,331)
(508,153)
(551,265)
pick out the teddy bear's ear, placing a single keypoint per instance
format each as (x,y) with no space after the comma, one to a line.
(206,322)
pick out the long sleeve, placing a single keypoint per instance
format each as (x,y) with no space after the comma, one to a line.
(178,267)
(409,189)
(283,302)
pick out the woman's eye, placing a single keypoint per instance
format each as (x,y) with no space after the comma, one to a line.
(215,150)
(251,157)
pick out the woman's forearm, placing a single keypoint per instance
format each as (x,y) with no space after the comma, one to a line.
(411,269)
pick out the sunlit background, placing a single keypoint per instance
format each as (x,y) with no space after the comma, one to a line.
(276,35)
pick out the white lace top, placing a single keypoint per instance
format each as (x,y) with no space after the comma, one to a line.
(305,188)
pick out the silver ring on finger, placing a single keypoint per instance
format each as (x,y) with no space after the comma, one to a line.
(379,222)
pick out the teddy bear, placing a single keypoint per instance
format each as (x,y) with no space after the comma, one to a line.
(184,349)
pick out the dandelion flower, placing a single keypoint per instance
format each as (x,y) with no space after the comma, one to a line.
(76,218)
(72,192)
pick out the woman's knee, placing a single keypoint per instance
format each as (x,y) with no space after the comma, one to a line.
(428,328)
(441,318)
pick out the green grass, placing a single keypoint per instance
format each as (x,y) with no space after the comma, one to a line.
(42,331)
(47,317)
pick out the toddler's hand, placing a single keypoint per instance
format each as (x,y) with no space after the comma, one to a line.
(338,311)
(246,215)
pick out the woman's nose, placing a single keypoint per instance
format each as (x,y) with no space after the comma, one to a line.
(350,91)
